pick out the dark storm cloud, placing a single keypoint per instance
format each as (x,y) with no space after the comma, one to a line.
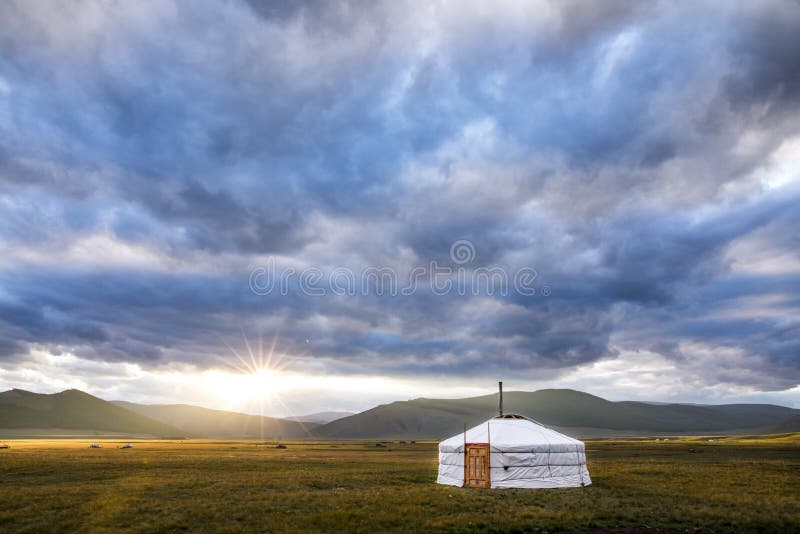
(769,66)
(618,148)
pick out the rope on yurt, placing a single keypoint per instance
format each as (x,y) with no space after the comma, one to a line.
(580,463)
(466,470)
(549,451)
(489,453)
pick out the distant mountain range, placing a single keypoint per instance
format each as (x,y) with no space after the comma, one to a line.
(320,418)
(74,412)
(574,412)
(207,423)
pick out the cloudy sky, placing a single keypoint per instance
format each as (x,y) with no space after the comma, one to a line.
(163,163)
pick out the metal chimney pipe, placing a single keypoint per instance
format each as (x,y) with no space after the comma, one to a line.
(501,398)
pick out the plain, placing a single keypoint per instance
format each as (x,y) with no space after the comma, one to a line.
(706,484)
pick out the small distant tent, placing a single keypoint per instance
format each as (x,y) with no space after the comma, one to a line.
(512,451)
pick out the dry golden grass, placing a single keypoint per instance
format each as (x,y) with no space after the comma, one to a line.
(722,485)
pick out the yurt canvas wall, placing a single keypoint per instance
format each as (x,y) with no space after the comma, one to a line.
(513,452)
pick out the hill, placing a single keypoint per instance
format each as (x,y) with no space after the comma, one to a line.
(76,411)
(204,422)
(571,411)
(73,412)
(787,427)
(320,418)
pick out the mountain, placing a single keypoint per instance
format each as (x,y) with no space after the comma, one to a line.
(74,412)
(207,423)
(788,426)
(320,417)
(571,411)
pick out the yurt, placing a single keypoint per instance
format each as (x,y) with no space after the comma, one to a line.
(512,451)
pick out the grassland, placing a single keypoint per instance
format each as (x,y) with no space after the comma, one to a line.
(683,484)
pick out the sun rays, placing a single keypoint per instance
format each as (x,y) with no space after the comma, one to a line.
(257,362)
(251,379)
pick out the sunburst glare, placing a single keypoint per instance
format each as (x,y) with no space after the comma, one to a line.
(251,378)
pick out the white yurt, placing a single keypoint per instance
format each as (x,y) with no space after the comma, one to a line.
(512,451)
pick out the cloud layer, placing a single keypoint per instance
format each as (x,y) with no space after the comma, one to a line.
(642,158)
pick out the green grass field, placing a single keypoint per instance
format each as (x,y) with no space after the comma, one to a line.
(688,484)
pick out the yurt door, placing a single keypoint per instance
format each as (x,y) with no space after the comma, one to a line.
(476,467)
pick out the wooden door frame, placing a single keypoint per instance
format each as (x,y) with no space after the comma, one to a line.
(488,482)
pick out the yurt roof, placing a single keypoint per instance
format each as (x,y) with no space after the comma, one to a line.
(513,433)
